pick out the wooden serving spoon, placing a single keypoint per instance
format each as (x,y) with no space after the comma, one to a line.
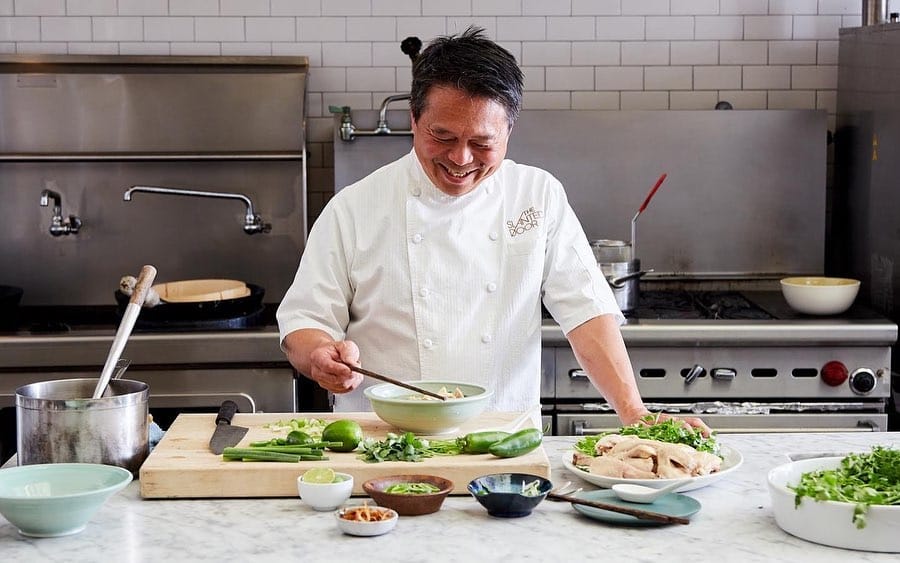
(145,280)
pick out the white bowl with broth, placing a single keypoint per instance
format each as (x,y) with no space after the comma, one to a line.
(413,412)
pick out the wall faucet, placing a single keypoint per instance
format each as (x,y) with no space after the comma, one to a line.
(350,132)
(58,226)
(253,223)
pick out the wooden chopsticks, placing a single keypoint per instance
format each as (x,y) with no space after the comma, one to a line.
(636,512)
(397,382)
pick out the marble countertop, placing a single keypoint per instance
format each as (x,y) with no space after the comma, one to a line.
(735,523)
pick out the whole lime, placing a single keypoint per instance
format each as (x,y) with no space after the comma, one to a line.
(348,432)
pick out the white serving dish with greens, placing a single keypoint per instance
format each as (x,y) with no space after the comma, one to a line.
(669,431)
(732,460)
(830,522)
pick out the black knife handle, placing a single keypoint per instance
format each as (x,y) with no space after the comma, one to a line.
(226,412)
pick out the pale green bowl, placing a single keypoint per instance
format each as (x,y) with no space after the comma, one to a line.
(393,405)
(57,499)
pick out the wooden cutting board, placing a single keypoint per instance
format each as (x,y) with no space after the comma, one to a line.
(181,465)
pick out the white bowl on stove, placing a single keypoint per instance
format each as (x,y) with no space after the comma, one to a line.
(819,295)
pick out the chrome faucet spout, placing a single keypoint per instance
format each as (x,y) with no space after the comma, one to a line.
(382,127)
(58,225)
(47,195)
(349,131)
(253,223)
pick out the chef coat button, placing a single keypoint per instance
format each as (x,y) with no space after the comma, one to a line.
(492,287)
(423,292)
(416,192)
(428,344)
(417,238)
(486,338)
(493,235)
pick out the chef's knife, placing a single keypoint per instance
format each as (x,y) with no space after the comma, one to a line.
(226,435)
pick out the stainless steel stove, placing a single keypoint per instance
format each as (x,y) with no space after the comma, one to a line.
(743,361)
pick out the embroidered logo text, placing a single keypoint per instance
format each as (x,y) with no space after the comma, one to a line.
(529,219)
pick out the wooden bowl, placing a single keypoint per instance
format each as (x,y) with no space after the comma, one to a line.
(409,504)
(193,291)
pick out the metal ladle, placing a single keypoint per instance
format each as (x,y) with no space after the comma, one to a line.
(145,280)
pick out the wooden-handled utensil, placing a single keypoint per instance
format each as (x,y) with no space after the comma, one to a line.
(636,512)
(144,281)
(397,382)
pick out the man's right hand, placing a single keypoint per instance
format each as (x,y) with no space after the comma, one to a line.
(314,354)
(328,369)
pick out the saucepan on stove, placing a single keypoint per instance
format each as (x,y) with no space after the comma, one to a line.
(621,269)
(618,262)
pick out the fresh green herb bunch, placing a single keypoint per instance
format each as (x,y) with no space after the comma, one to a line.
(863,479)
(403,447)
(650,428)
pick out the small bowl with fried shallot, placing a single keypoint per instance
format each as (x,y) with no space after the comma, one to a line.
(366,519)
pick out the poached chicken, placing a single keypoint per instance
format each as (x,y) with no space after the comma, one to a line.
(630,457)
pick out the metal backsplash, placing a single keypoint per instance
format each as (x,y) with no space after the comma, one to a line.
(89,128)
(745,193)
(866,241)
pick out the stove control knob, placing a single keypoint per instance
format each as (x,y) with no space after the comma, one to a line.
(693,373)
(726,374)
(862,381)
(834,373)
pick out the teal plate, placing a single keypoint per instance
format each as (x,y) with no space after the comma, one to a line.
(670,505)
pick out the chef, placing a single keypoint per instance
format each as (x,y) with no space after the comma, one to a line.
(435,265)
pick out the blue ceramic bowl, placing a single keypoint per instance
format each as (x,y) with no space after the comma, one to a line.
(57,499)
(502,493)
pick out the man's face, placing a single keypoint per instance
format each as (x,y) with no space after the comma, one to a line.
(460,140)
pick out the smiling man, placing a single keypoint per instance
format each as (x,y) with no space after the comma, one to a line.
(435,266)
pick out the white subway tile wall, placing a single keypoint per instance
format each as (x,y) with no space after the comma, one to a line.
(576,54)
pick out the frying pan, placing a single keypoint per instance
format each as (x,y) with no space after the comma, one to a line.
(200,310)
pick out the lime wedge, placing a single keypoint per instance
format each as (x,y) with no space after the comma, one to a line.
(319,475)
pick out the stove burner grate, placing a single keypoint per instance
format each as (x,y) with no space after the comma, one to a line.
(696,305)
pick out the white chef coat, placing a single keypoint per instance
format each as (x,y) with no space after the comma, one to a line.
(432,286)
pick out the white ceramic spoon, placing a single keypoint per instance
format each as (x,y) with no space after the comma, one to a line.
(645,495)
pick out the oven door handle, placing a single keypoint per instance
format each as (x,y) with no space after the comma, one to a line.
(862,427)
(581,428)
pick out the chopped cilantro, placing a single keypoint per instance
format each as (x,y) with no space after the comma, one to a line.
(671,430)
(863,479)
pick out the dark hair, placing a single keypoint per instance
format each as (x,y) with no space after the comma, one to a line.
(472,63)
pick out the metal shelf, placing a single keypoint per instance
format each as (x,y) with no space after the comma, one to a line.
(151,156)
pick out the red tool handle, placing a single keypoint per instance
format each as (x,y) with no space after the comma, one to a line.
(652,191)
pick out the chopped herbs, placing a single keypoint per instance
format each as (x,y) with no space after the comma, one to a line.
(403,447)
(673,431)
(863,479)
